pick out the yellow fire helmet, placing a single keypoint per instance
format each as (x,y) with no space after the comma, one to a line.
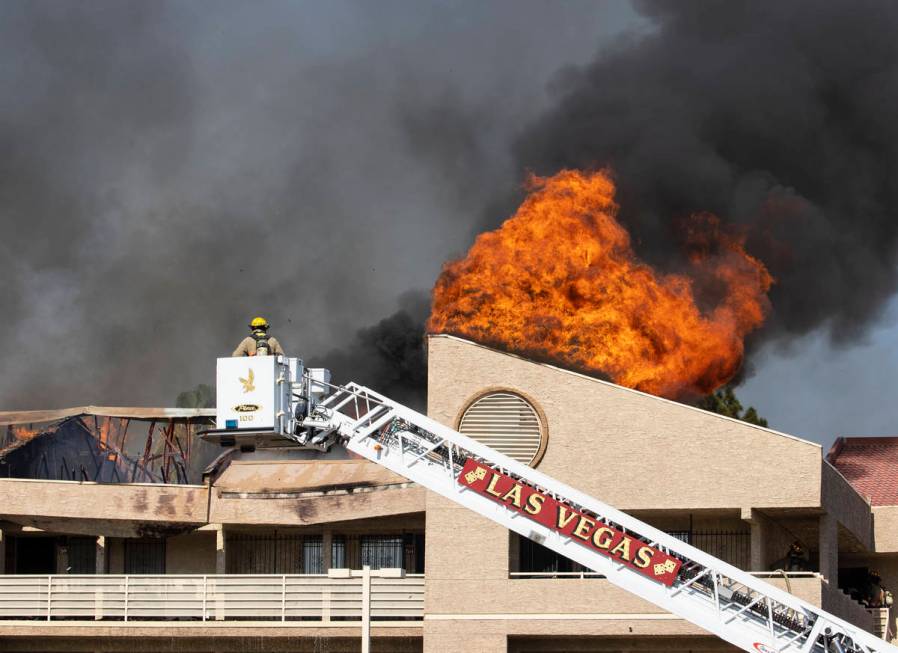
(259,323)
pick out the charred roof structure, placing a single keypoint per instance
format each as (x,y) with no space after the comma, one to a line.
(106,445)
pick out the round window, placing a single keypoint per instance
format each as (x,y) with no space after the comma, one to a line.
(507,423)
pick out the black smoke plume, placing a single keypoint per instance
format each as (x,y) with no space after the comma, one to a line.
(777,116)
(388,357)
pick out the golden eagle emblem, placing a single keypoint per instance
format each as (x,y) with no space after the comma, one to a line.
(249,382)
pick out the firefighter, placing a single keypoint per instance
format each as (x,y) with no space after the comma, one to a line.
(259,343)
(874,594)
(796,559)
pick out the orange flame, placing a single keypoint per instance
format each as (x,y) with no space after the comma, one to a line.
(22,432)
(560,281)
(105,424)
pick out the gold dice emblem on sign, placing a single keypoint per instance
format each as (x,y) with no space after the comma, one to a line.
(665,568)
(476,475)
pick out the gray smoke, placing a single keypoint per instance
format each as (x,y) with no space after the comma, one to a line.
(170,169)
(389,356)
(777,116)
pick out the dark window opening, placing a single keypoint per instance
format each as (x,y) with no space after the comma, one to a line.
(82,555)
(269,554)
(145,556)
(414,559)
(33,555)
(864,585)
(534,558)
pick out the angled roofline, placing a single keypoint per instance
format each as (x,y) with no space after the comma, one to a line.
(625,389)
(835,450)
(847,440)
(867,439)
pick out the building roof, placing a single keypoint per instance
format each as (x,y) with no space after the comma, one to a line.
(43,416)
(870,465)
(106,445)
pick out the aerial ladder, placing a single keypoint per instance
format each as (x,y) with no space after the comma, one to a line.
(275,401)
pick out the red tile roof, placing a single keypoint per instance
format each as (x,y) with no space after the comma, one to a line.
(870,465)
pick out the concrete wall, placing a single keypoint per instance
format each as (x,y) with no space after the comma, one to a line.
(190,553)
(847,505)
(139,510)
(885,529)
(303,511)
(837,602)
(23,500)
(617,444)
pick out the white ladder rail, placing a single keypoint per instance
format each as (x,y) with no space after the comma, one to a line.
(710,593)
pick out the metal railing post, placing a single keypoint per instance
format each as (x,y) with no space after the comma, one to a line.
(205,594)
(366,609)
(284,598)
(126,598)
(49,595)
(98,601)
(326,604)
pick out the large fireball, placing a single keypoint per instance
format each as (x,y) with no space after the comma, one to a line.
(559,281)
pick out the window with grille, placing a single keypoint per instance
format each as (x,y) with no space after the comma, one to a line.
(536,559)
(82,553)
(145,556)
(312,556)
(733,547)
(271,553)
(338,552)
(507,423)
(382,551)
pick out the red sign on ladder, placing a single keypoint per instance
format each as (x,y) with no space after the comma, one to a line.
(583,529)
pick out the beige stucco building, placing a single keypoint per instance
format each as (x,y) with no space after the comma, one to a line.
(240,560)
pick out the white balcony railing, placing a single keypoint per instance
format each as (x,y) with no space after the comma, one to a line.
(312,598)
